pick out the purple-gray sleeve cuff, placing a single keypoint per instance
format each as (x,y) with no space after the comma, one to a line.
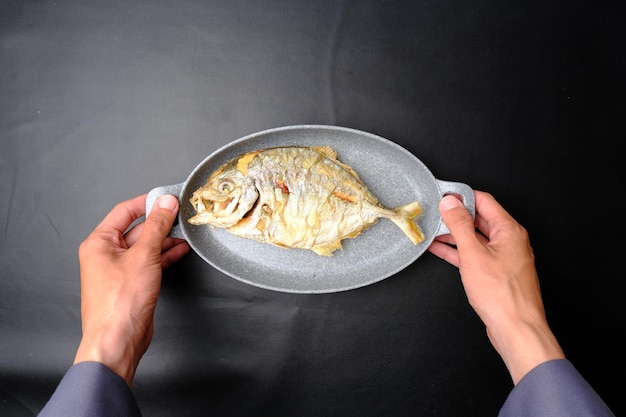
(91,389)
(556,389)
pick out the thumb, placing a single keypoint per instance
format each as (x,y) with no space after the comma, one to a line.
(159,222)
(458,220)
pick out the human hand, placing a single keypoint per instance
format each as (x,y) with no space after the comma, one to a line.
(120,277)
(498,272)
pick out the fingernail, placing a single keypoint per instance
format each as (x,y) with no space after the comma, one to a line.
(448,202)
(169,202)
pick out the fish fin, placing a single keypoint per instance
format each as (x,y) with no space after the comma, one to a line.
(404,219)
(326,151)
(330,153)
(327,249)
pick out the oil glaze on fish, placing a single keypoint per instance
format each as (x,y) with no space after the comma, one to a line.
(295,197)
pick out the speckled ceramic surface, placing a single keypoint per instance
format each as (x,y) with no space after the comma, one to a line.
(391,172)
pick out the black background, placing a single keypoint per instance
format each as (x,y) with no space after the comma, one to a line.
(104,100)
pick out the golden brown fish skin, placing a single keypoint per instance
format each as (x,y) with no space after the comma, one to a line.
(305,198)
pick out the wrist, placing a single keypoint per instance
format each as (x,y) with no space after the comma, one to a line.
(523,346)
(111,349)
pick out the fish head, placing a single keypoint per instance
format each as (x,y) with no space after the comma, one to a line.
(225,199)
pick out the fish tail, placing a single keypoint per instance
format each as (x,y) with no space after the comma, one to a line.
(404,219)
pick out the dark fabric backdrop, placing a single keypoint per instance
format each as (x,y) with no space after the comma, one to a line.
(104,100)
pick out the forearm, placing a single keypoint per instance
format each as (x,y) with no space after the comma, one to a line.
(524,346)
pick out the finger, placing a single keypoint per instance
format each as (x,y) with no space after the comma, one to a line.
(133,234)
(158,223)
(444,251)
(449,239)
(458,220)
(491,217)
(174,253)
(171,242)
(124,214)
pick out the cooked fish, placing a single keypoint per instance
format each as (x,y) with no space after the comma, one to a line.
(295,197)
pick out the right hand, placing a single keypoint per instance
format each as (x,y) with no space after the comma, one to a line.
(498,272)
(120,276)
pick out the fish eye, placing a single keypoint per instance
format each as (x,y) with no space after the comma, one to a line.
(226,186)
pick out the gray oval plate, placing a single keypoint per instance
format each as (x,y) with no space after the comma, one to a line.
(391,172)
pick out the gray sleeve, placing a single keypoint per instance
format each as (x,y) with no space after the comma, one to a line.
(91,389)
(556,389)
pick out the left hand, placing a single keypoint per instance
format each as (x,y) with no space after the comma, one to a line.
(120,282)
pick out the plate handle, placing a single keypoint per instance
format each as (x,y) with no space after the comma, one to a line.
(461,190)
(176,230)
